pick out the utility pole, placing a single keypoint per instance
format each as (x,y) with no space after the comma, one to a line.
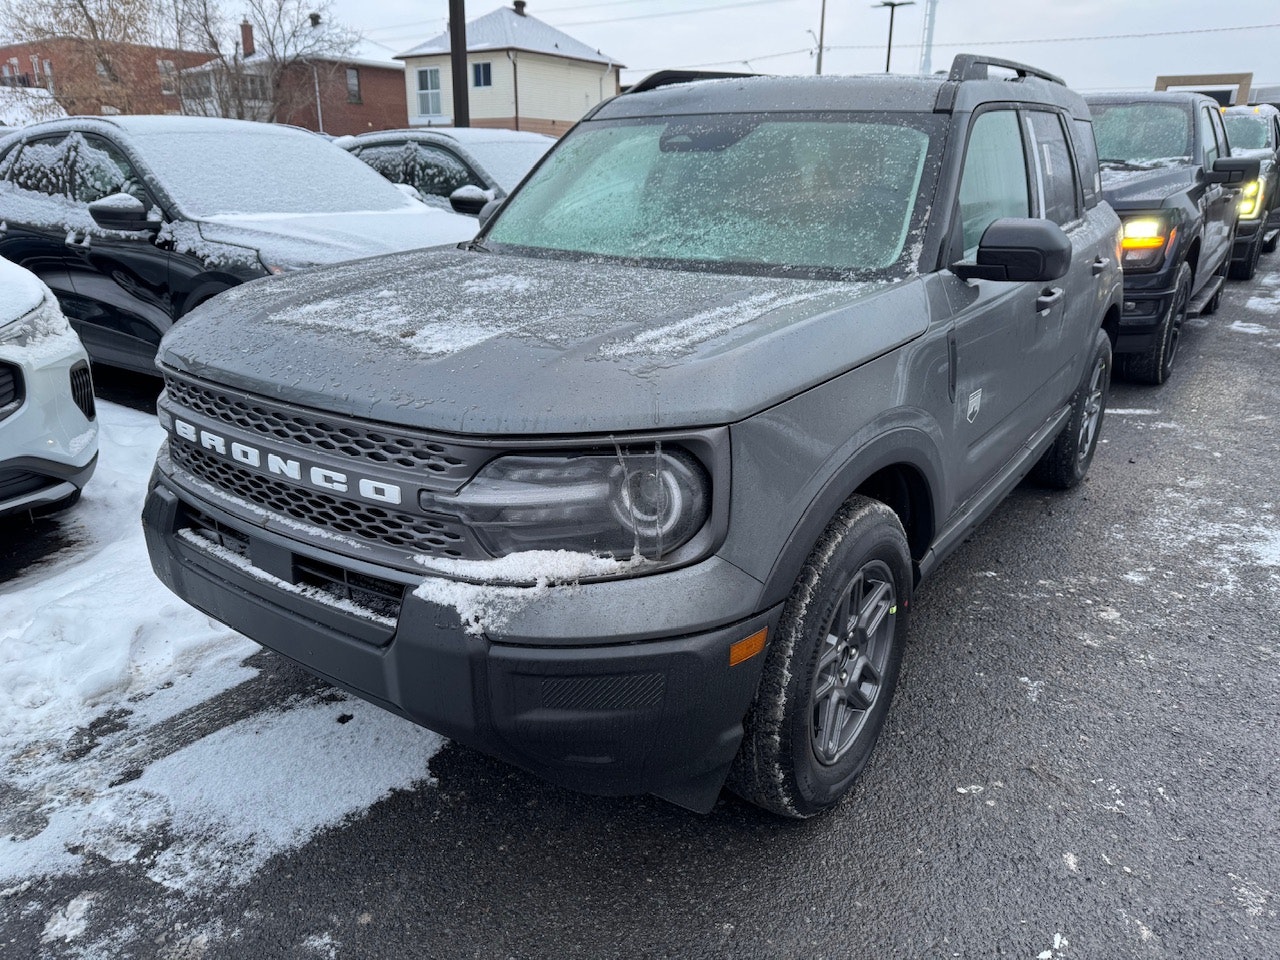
(893,6)
(458,62)
(926,41)
(822,33)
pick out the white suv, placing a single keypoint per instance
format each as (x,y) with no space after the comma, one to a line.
(48,429)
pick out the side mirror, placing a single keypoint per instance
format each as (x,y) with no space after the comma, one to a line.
(1018,249)
(488,210)
(1234,170)
(120,211)
(470,199)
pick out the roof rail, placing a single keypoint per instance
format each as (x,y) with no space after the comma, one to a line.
(667,78)
(973,66)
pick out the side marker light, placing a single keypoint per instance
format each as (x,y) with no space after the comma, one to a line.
(744,650)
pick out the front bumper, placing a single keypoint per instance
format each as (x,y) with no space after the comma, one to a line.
(49,433)
(1147,298)
(662,715)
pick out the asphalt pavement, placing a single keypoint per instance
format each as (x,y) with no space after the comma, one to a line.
(1082,759)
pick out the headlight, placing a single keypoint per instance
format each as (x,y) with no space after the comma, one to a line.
(633,503)
(1250,200)
(45,320)
(1145,242)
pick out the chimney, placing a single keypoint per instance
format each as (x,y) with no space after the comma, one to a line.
(315,19)
(519,7)
(246,38)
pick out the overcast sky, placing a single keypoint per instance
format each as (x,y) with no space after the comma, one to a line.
(1093,44)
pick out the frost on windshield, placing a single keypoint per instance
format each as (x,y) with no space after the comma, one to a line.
(1154,134)
(828,195)
(1247,131)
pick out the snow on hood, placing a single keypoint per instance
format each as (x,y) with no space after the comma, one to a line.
(20,291)
(472,342)
(308,239)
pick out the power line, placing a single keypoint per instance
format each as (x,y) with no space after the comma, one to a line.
(675,13)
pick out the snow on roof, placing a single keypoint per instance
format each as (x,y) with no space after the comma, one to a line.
(504,28)
(138,124)
(463,135)
(23,105)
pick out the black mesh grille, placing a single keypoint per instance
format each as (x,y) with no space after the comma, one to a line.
(374,525)
(11,391)
(372,593)
(626,692)
(218,533)
(82,389)
(349,438)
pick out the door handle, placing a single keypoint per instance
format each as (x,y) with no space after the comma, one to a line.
(75,241)
(1048,297)
(1099,265)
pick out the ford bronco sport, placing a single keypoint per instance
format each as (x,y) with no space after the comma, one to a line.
(634,489)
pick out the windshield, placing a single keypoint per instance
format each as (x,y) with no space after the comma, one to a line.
(273,171)
(828,196)
(507,161)
(1142,133)
(1249,131)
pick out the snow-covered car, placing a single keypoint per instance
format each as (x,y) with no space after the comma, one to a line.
(463,168)
(133,221)
(48,428)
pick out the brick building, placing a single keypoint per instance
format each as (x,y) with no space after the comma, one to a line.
(102,78)
(354,93)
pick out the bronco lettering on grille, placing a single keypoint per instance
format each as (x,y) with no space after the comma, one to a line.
(284,467)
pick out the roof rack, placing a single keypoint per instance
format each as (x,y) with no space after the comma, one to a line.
(972,66)
(667,78)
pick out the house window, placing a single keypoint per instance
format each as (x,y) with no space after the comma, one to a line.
(353,85)
(168,77)
(482,74)
(429,92)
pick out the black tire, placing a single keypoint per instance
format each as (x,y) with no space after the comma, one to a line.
(1154,364)
(1246,268)
(1224,268)
(1269,246)
(826,689)
(1067,461)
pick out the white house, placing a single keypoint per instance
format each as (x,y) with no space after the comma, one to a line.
(523,75)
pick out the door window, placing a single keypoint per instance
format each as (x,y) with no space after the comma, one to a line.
(1087,155)
(1055,176)
(45,166)
(1212,150)
(101,170)
(994,183)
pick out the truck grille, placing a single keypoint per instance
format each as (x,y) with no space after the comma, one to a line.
(82,389)
(373,525)
(359,440)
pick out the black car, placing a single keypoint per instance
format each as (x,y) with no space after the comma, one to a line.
(133,221)
(1168,171)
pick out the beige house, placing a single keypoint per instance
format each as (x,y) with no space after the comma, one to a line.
(523,75)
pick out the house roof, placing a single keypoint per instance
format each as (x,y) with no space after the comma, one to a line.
(504,29)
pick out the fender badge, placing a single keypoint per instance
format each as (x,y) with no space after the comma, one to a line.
(975,404)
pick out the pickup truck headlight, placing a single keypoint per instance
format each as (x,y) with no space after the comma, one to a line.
(1250,201)
(1145,242)
(644,503)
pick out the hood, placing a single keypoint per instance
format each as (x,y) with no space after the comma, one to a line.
(20,291)
(475,343)
(296,240)
(1127,189)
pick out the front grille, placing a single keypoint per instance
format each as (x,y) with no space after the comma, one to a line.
(218,533)
(370,442)
(374,594)
(18,483)
(11,389)
(82,389)
(373,525)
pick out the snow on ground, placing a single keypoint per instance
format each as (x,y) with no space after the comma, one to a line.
(116,742)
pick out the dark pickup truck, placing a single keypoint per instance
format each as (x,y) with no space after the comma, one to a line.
(1167,170)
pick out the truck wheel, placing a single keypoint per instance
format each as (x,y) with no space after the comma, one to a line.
(1067,461)
(1156,362)
(1246,268)
(1269,246)
(832,667)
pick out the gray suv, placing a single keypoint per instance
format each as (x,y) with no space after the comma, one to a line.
(633,490)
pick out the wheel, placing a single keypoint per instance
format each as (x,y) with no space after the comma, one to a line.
(831,669)
(1246,268)
(1066,462)
(1269,246)
(1155,363)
